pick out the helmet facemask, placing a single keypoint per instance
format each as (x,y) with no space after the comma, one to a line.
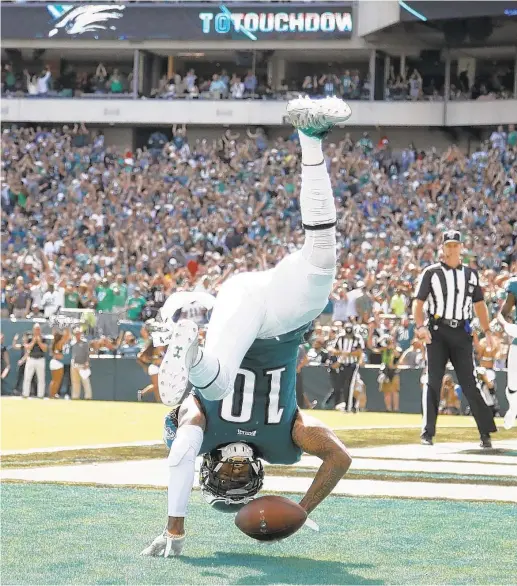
(230,477)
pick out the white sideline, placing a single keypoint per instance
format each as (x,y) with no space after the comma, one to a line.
(155,473)
(73,448)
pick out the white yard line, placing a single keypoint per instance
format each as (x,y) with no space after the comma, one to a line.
(451,452)
(445,467)
(73,448)
(446,452)
(411,426)
(154,473)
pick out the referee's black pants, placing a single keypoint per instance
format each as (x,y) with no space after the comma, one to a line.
(343,382)
(453,344)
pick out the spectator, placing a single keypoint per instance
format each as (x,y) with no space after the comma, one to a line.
(35,362)
(398,303)
(20,300)
(250,84)
(119,289)
(101,74)
(44,81)
(6,362)
(217,87)
(115,82)
(135,304)
(80,368)
(105,296)
(498,139)
(129,346)
(346,85)
(190,81)
(51,301)
(415,85)
(4,299)
(236,88)
(329,83)
(389,378)
(9,79)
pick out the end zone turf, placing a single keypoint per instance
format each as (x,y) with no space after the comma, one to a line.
(29,424)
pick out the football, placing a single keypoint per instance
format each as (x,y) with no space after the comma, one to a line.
(270,518)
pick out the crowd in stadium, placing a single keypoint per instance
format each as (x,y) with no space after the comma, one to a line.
(82,216)
(351,84)
(87,226)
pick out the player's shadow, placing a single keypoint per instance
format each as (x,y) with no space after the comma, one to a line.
(269,569)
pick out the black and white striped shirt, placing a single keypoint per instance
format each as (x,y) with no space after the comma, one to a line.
(450,293)
(349,344)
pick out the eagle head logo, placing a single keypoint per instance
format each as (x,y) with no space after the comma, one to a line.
(73,19)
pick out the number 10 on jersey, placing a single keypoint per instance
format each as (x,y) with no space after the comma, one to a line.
(237,407)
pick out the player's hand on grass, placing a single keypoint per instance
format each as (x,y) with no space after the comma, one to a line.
(165,545)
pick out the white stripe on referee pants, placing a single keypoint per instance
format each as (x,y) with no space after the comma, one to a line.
(351,389)
(512,368)
(425,387)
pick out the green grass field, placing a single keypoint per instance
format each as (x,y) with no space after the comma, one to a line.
(55,534)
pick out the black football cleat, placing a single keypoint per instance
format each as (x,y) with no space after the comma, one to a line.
(426,440)
(485,442)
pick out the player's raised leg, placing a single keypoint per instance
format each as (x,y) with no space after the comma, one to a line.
(236,319)
(267,304)
(302,281)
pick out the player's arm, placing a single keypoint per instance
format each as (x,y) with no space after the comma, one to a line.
(7,368)
(181,462)
(423,290)
(478,346)
(315,438)
(504,316)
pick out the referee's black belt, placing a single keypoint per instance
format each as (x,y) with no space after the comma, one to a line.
(451,323)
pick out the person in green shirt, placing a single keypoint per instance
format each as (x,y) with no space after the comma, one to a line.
(10,78)
(105,297)
(119,289)
(71,297)
(115,83)
(398,304)
(512,136)
(135,305)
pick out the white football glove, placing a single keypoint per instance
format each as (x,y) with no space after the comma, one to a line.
(164,544)
(510,329)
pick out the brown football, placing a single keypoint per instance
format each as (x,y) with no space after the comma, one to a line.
(270,517)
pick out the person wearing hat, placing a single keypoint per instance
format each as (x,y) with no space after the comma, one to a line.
(452,292)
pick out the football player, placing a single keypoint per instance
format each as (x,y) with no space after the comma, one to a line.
(243,406)
(510,327)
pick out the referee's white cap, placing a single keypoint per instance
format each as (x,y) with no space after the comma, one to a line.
(451,236)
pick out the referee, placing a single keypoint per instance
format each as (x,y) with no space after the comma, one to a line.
(451,291)
(348,349)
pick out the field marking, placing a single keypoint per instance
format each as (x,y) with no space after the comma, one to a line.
(447,451)
(154,473)
(74,448)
